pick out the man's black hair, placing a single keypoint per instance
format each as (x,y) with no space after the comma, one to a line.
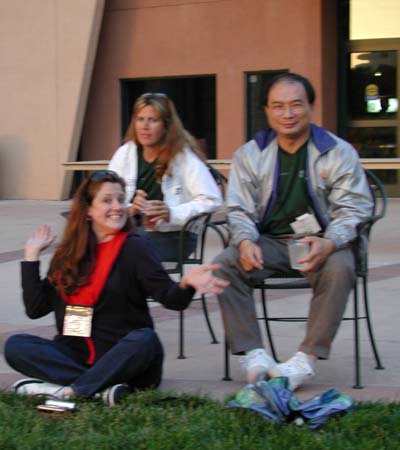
(290,78)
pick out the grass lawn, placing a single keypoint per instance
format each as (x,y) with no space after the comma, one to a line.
(154,420)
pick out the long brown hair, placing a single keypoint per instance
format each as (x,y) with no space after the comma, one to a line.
(175,138)
(75,256)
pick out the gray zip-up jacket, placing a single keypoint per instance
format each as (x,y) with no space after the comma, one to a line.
(336,184)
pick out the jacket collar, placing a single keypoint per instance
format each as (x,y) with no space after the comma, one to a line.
(322,140)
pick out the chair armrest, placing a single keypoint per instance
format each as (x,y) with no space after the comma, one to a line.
(195,223)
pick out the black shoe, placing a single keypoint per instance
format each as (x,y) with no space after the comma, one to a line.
(114,394)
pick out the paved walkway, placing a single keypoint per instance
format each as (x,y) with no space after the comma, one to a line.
(201,372)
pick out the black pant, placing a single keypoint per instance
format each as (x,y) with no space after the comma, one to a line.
(136,359)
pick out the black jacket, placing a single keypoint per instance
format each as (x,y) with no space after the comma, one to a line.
(122,307)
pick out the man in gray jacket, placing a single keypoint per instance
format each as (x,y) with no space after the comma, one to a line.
(292,178)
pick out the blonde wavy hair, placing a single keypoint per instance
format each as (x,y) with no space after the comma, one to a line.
(176,136)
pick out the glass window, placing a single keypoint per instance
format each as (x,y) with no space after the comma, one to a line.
(194,98)
(376,142)
(372,85)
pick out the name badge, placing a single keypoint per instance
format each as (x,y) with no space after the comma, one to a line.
(305,224)
(78,321)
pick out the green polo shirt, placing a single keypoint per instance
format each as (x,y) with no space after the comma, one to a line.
(292,199)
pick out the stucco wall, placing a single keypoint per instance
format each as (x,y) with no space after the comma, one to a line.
(47,49)
(374,19)
(156,38)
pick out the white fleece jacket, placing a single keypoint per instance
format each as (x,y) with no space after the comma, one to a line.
(189,190)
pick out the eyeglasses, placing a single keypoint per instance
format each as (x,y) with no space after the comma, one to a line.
(154,94)
(102,174)
(281,109)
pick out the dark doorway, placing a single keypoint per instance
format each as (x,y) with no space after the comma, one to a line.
(194,98)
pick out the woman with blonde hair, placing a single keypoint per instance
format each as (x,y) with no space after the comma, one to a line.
(167,179)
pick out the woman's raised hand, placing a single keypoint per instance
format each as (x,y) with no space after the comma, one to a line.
(40,240)
(201,279)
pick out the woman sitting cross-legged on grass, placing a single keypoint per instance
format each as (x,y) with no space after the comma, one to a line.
(105,342)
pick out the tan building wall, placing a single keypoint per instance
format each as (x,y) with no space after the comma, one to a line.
(158,38)
(47,49)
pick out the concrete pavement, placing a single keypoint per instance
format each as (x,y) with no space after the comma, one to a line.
(202,370)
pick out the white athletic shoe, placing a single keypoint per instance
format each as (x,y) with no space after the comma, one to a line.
(32,386)
(299,368)
(258,363)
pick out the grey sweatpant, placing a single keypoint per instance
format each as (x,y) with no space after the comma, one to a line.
(331,284)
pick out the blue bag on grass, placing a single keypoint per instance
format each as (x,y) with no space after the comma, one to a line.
(276,402)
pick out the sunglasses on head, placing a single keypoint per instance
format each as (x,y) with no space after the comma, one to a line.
(104,174)
(154,95)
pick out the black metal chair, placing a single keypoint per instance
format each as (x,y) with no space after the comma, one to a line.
(197,225)
(218,221)
(294,280)
(200,226)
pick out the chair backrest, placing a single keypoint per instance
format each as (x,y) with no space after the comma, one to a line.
(360,245)
(196,225)
(218,221)
(378,193)
(219,178)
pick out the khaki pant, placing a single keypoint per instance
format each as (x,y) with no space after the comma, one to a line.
(331,284)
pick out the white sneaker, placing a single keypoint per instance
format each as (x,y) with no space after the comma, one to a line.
(299,368)
(32,386)
(258,363)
